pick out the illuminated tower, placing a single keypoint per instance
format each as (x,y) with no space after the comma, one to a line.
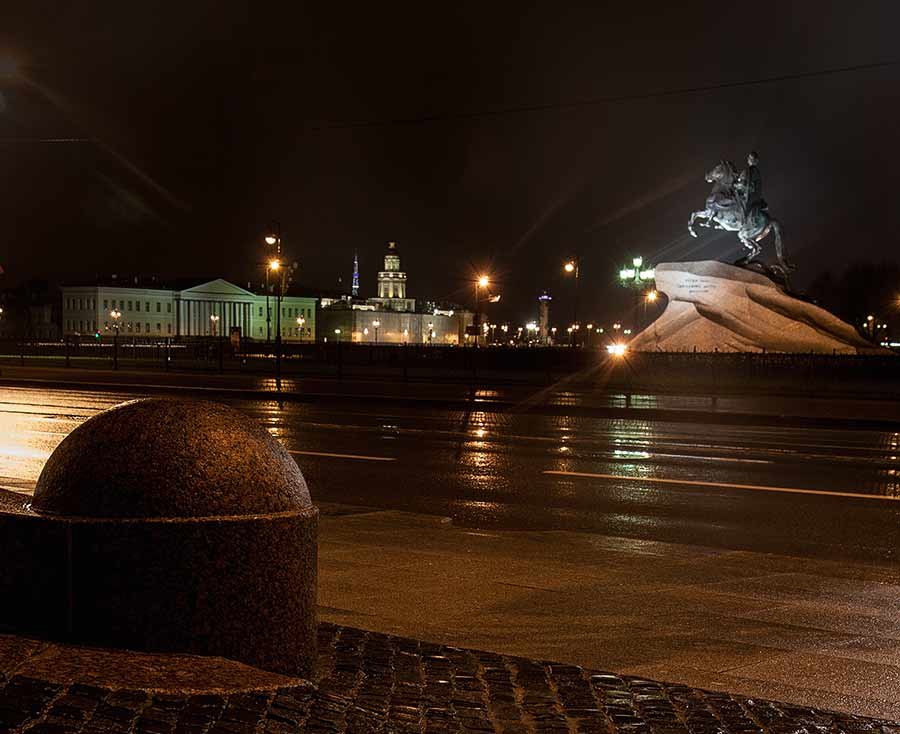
(354,288)
(392,280)
(544,316)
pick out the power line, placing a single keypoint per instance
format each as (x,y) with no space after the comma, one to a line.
(8,141)
(612,99)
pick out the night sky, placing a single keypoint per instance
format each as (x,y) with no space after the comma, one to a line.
(473,134)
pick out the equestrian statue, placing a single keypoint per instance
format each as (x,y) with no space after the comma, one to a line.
(735,204)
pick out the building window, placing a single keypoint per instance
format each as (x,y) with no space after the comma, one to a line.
(168,328)
(129,306)
(158,328)
(260,328)
(168,308)
(137,305)
(260,315)
(93,325)
(105,304)
(158,307)
(147,304)
(147,328)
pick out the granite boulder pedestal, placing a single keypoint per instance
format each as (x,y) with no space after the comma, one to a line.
(170,526)
(713,306)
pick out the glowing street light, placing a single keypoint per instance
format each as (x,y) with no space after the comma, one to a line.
(573,267)
(300,322)
(375,324)
(213,323)
(652,296)
(116,316)
(636,275)
(617,349)
(481,283)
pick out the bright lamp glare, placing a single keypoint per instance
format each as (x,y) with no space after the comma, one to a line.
(271,239)
(274,264)
(616,350)
(484,281)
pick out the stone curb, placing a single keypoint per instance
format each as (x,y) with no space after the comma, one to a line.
(371,682)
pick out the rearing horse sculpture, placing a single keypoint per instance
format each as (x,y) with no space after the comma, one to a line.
(725,211)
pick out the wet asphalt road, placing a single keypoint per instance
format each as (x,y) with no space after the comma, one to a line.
(823,493)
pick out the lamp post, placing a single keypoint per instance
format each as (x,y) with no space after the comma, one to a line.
(573,267)
(214,332)
(275,267)
(637,277)
(483,281)
(273,239)
(115,315)
(300,322)
(375,324)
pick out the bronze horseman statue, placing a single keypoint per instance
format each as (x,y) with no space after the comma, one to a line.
(735,204)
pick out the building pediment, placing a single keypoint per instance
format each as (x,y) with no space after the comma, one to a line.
(217,287)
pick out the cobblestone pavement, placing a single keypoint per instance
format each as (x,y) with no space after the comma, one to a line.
(370,682)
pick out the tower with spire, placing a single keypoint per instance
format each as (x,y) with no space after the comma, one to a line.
(392,280)
(354,287)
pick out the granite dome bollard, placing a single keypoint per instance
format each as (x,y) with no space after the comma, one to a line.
(175,526)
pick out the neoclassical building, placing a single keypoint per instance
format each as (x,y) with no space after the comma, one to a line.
(210,308)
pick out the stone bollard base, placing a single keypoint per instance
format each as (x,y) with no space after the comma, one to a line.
(234,587)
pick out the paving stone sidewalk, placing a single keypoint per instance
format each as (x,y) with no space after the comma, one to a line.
(369,682)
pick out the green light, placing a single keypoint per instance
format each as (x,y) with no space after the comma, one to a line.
(626,273)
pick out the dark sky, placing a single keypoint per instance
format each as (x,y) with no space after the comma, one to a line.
(218,117)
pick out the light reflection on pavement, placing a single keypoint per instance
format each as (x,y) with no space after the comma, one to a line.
(487,469)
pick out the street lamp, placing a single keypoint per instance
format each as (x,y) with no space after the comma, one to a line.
(637,277)
(213,323)
(300,322)
(115,315)
(375,324)
(481,283)
(573,267)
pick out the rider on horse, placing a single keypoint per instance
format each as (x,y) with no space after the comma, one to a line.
(749,186)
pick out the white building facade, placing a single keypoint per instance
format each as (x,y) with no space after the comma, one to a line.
(213,308)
